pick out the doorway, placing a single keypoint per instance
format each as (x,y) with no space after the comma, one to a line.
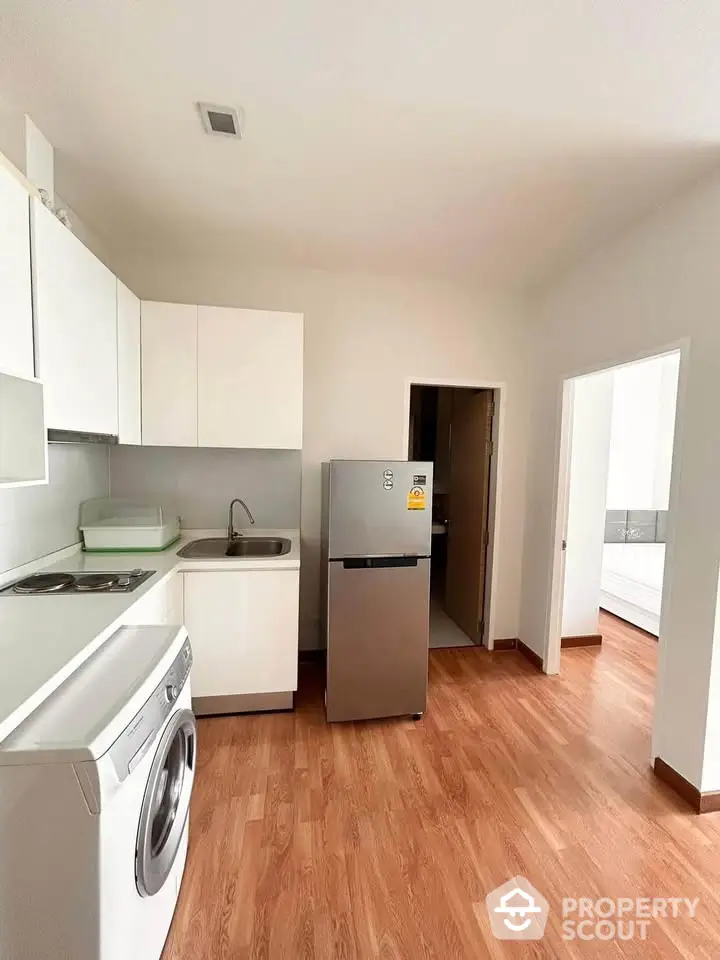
(453,427)
(619,428)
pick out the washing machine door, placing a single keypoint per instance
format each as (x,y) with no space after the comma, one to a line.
(166,803)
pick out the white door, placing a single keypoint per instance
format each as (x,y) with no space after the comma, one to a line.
(250,378)
(169,374)
(16,330)
(75,329)
(244,631)
(128,339)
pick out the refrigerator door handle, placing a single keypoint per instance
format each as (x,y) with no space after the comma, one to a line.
(364,563)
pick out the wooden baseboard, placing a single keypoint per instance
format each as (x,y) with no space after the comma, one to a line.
(509,643)
(700,802)
(710,801)
(583,640)
(530,655)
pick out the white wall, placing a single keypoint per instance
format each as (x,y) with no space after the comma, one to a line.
(198,484)
(35,521)
(643,426)
(365,337)
(656,287)
(666,410)
(14,147)
(589,456)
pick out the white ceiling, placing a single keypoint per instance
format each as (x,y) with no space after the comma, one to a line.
(499,139)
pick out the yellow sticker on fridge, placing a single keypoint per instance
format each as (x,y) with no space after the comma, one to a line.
(416,499)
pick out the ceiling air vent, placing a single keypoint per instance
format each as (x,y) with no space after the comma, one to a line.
(222,120)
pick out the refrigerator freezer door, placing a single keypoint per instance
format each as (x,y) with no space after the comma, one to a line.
(378,626)
(379,508)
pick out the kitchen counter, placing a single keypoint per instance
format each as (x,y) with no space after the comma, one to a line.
(44,639)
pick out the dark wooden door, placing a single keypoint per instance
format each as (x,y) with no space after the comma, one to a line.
(467,536)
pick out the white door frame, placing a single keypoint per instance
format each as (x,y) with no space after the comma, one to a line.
(499,389)
(553,631)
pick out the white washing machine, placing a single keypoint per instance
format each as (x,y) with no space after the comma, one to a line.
(94,802)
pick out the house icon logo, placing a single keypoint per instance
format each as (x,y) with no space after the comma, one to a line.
(517,911)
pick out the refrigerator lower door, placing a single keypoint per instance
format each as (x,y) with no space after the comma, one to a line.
(378,627)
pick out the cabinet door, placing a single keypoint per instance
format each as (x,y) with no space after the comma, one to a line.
(75,329)
(175,600)
(16,330)
(250,368)
(169,374)
(150,610)
(243,628)
(161,605)
(128,340)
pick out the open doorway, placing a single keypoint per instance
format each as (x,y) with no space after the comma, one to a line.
(620,434)
(453,428)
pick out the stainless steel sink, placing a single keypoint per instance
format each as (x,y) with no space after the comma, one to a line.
(220,548)
(258,547)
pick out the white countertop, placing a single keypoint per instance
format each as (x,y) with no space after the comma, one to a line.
(44,639)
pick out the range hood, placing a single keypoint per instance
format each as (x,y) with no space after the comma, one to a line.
(79,436)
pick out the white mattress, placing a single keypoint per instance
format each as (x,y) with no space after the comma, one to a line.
(632,579)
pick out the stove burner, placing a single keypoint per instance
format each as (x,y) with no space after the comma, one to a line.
(95,581)
(44,583)
(70,583)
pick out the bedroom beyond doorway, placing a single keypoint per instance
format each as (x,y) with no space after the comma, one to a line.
(620,462)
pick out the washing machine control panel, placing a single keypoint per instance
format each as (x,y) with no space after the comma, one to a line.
(132,745)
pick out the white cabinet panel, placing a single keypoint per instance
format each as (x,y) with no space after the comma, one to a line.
(16,330)
(250,378)
(160,606)
(243,627)
(128,341)
(75,329)
(169,374)
(23,438)
(149,611)
(174,599)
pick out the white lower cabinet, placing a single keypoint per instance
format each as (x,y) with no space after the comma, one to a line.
(243,627)
(161,605)
(174,601)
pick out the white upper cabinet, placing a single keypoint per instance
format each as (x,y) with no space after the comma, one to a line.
(75,329)
(250,378)
(16,330)
(128,345)
(169,374)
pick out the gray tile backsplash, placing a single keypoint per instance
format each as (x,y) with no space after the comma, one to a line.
(198,483)
(35,521)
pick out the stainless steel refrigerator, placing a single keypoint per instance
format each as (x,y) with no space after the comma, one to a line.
(376,534)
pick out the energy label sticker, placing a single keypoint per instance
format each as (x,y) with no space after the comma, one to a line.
(416,499)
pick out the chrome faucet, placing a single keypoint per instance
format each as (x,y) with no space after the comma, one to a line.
(232,533)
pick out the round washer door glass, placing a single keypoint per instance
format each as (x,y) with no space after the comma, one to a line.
(166,804)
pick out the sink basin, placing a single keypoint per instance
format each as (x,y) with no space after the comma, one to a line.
(218,548)
(258,547)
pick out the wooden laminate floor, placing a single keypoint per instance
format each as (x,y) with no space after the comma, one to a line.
(383,839)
